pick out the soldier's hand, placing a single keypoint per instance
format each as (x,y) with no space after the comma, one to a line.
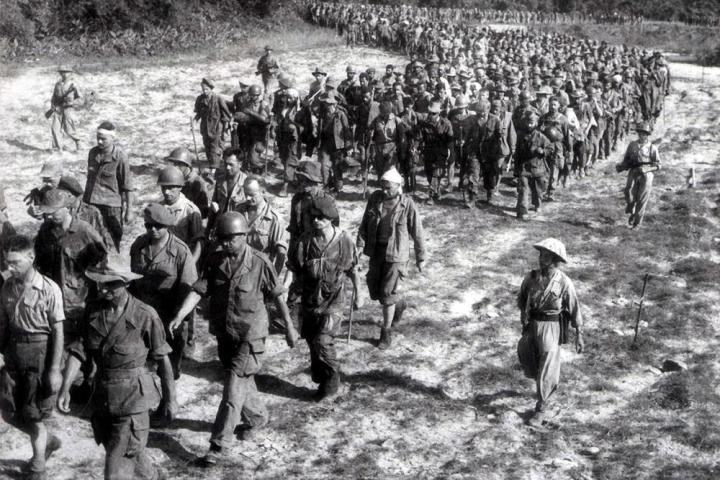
(420,265)
(579,343)
(174,324)
(169,410)
(63,401)
(54,380)
(291,336)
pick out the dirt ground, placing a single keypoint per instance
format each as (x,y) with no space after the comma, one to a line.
(448,400)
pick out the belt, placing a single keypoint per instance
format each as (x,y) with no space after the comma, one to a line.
(545,317)
(121,373)
(30,337)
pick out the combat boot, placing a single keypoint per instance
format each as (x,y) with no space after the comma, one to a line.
(399,310)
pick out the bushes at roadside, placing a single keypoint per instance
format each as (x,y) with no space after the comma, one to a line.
(130,27)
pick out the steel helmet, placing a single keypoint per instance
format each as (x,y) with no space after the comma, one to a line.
(285,80)
(255,90)
(553,245)
(553,133)
(231,223)
(180,155)
(171,177)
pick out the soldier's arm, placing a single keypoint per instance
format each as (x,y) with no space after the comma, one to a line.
(188,305)
(522,301)
(168,387)
(414,225)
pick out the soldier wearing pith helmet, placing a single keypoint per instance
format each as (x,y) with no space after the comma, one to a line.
(548,304)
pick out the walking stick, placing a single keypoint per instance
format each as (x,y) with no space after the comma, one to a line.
(352,309)
(640,306)
(192,129)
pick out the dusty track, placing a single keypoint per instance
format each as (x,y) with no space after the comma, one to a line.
(447,401)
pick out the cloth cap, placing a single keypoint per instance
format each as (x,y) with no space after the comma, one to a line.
(328,99)
(65,68)
(71,185)
(53,200)
(159,214)
(311,170)
(393,176)
(325,206)
(554,246)
(268,48)
(207,82)
(113,269)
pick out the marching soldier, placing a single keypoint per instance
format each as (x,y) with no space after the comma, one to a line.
(214,116)
(266,230)
(268,68)
(253,122)
(120,334)
(237,278)
(108,186)
(556,128)
(321,260)
(187,221)
(390,220)
(31,344)
(288,138)
(335,140)
(641,160)
(531,168)
(437,136)
(194,188)
(228,194)
(484,136)
(65,98)
(64,248)
(548,304)
(384,134)
(166,270)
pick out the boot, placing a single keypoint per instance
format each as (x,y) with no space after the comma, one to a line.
(385,339)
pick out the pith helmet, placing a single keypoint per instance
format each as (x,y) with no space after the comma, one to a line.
(553,245)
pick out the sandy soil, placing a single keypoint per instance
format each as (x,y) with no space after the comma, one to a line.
(448,400)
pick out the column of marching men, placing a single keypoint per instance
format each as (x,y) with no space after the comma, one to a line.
(480,105)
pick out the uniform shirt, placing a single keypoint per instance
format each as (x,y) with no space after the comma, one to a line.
(236,287)
(321,271)
(108,175)
(405,223)
(29,310)
(267,230)
(90,214)
(6,231)
(65,255)
(384,130)
(530,155)
(637,155)
(438,135)
(188,221)
(196,190)
(120,344)
(551,295)
(229,193)
(64,96)
(168,276)
(213,113)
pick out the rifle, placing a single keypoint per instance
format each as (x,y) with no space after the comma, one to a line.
(640,306)
(192,129)
(72,89)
